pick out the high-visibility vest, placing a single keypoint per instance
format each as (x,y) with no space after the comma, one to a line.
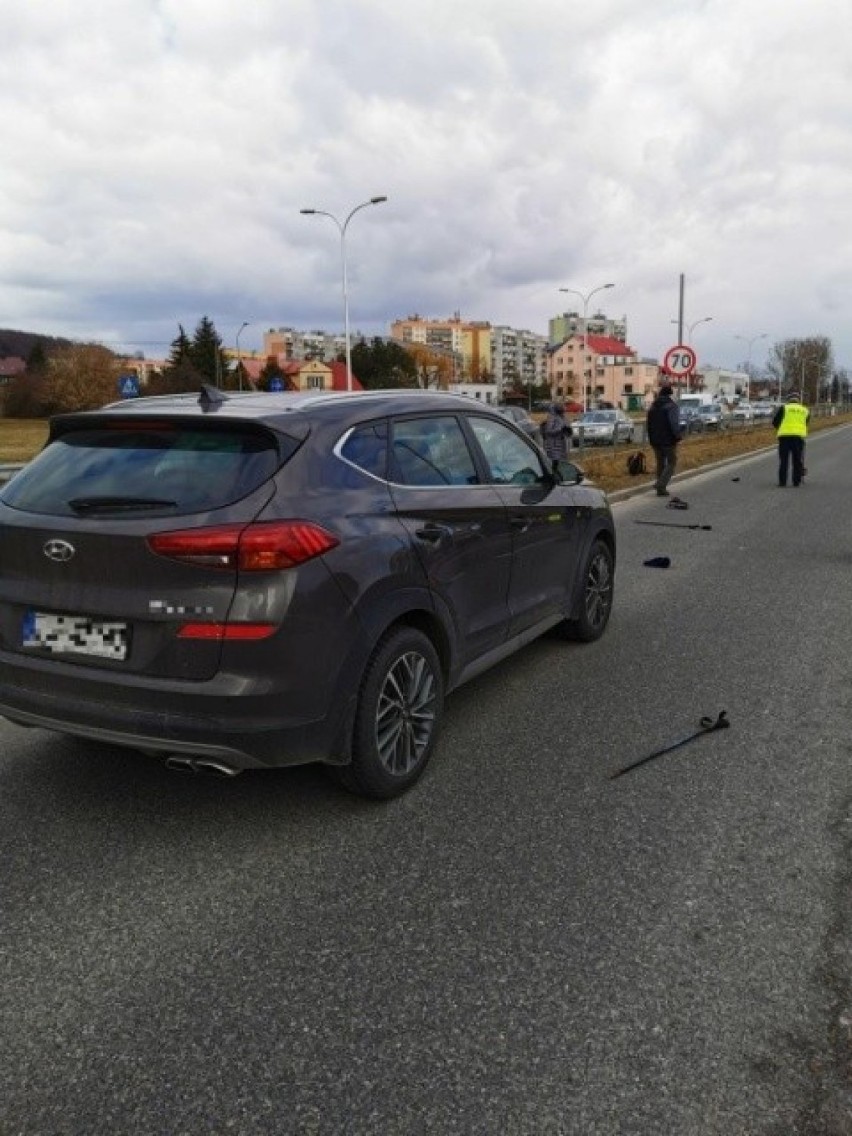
(795,421)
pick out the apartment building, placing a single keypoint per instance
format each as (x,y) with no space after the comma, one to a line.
(591,369)
(518,358)
(468,342)
(293,344)
(569,324)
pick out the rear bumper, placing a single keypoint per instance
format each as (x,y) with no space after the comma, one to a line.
(219,720)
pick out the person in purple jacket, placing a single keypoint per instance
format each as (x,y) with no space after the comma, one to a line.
(556,433)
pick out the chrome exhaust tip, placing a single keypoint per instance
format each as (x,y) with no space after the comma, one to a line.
(217,768)
(200,765)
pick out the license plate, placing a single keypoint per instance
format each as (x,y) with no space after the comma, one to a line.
(75,635)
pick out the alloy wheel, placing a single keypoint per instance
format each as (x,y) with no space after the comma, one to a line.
(406,713)
(599,585)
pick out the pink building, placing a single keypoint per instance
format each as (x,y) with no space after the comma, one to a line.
(609,370)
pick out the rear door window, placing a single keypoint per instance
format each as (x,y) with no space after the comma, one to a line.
(128,468)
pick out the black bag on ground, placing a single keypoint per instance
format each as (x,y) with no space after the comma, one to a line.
(636,464)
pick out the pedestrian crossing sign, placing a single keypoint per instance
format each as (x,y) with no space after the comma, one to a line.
(128,386)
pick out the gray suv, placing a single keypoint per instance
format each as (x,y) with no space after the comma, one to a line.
(234,581)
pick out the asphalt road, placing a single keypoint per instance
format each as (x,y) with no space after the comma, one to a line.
(519,947)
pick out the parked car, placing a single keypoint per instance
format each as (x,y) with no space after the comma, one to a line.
(763,410)
(743,412)
(245,580)
(519,416)
(690,420)
(603,427)
(711,416)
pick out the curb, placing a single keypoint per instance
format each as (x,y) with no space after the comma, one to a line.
(647,486)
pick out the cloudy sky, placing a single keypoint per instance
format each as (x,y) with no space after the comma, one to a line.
(157,154)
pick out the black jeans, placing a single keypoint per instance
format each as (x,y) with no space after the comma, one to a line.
(666,464)
(790,447)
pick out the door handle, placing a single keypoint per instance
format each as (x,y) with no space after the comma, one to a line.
(521,523)
(434,533)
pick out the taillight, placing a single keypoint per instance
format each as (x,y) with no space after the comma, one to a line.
(262,547)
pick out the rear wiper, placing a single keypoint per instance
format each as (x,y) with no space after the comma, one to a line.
(121,504)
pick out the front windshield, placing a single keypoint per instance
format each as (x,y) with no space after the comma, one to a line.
(598,416)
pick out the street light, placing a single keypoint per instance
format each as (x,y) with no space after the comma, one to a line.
(243,326)
(691,326)
(585,298)
(750,341)
(342,228)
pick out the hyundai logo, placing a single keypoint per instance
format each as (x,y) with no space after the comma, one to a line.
(59,550)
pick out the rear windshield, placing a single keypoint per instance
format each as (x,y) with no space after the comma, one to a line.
(137,468)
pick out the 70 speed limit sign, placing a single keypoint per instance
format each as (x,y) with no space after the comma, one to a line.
(679,361)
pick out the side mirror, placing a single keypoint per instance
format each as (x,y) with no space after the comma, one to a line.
(566,472)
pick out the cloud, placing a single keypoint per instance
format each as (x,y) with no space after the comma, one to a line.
(161,152)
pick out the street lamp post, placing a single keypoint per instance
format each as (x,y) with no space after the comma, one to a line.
(750,341)
(243,326)
(689,329)
(342,229)
(691,326)
(585,298)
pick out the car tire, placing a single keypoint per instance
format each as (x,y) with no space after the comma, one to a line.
(400,706)
(598,577)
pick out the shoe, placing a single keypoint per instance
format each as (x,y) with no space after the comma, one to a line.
(663,493)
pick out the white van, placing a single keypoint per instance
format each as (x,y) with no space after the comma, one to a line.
(699,398)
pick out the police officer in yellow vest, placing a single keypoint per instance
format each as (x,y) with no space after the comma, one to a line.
(791,426)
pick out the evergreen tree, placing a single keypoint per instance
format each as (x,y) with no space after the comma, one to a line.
(207,354)
(272,370)
(181,348)
(180,374)
(379,365)
(37,360)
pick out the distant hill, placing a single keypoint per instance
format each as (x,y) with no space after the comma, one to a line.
(21,343)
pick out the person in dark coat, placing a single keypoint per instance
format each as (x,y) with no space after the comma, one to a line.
(555,433)
(664,433)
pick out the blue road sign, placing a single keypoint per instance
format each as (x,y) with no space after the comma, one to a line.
(276,385)
(128,386)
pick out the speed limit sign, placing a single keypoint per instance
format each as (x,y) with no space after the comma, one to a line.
(679,361)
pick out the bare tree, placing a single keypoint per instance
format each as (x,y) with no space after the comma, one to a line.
(802,365)
(82,376)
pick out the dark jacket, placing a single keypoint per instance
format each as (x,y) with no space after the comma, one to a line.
(663,422)
(555,432)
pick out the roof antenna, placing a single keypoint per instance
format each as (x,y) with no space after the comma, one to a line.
(211,398)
